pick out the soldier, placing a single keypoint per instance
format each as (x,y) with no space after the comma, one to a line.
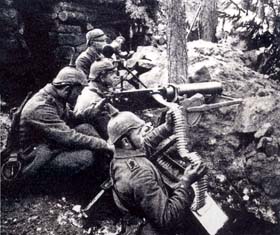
(138,186)
(103,75)
(96,40)
(46,134)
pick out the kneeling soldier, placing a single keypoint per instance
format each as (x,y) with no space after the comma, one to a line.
(49,134)
(103,76)
(138,186)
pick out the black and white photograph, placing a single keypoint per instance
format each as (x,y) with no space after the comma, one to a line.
(140,117)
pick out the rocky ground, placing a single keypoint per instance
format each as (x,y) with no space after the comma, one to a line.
(239,144)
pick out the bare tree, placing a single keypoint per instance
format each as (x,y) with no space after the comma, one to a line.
(177,43)
(208,20)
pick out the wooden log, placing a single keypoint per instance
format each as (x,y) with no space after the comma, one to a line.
(63,52)
(9,43)
(6,3)
(113,22)
(42,21)
(47,18)
(81,48)
(76,17)
(62,28)
(67,39)
(72,6)
(8,16)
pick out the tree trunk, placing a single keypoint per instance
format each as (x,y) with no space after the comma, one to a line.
(208,21)
(177,43)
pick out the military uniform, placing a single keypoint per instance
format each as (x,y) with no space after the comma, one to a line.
(89,98)
(92,94)
(140,190)
(86,58)
(46,135)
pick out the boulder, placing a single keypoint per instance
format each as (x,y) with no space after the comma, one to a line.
(265,130)
(256,111)
(200,75)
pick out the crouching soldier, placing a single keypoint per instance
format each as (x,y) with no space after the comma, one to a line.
(103,76)
(138,187)
(96,40)
(49,134)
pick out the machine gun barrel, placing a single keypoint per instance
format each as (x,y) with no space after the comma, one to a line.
(139,99)
(205,88)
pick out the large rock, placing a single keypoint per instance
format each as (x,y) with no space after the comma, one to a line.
(158,75)
(256,111)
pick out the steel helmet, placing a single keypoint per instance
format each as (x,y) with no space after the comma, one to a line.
(70,76)
(122,122)
(95,35)
(98,67)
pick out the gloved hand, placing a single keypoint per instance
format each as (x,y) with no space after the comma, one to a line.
(194,173)
(95,109)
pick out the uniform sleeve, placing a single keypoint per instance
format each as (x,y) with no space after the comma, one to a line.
(161,210)
(85,101)
(83,63)
(46,120)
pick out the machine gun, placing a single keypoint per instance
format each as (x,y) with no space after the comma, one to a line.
(141,99)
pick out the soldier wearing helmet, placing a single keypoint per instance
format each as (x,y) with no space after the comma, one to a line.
(139,188)
(95,41)
(103,77)
(50,138)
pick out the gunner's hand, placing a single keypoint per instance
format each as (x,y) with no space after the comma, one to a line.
(194,173)
(94,109)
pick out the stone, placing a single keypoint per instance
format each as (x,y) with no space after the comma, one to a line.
(159,72)
(269,145)
(271,185)
(77,208)
(200,75)
(233,141)
(272,148)
(265,130)
(263,142)
(265,172)
(253,113)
